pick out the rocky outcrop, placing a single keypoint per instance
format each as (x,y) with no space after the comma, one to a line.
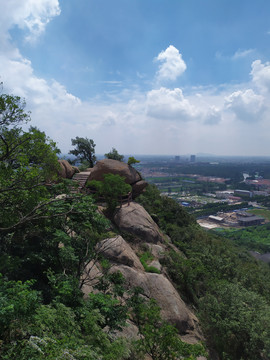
(90,277)
(117,250)
(66,170)
(134,219)
(138,188)
(158,287)
(109,166)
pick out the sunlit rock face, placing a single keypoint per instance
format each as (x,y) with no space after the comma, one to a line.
(134,219)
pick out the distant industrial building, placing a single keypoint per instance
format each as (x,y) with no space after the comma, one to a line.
(192,158)
(250,220)
(224,194)
(243,192)
(217,219)
(247,219)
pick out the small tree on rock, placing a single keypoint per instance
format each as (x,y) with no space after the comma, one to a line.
(113,154)
(112,188)
(132,160)
(85,150)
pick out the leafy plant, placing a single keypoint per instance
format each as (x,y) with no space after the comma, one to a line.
(145,258)
(112,188)
(113,154)
(132,160)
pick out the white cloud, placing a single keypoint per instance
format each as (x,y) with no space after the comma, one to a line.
(261,75)
(242,53)
(30,15)
(169,104)
(160,121)
(246,105)
(172,64)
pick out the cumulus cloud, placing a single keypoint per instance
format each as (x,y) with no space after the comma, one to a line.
(246,105)
(172,64)
(169,105)
(30,15)
(261,75)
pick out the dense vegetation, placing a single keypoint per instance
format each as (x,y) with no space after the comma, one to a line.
(253,238)
(229,289)
(47,239)
(48,236)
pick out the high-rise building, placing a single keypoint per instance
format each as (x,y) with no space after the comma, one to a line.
(177,158)
(192,158)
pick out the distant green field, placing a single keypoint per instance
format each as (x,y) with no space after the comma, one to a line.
(265,213)
(253,237)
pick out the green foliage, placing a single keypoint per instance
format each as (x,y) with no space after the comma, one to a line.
(111,189)
(165,211)
(113,154)
(84,150)
(253,238)
(28,163)
(237,322)
(159,339)
(132,160)
(145,258)
(12,110)
(17,303)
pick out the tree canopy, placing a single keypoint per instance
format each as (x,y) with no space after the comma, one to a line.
(84,150)
(113,154)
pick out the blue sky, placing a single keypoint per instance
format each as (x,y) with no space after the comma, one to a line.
(144,76)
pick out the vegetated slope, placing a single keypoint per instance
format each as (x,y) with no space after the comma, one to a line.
(229,289)
(48,243)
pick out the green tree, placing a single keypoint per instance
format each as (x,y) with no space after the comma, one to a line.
(12,110)
(28,163)
(237,322)
(113,154)
(112,188)
(159,339)
(132,160)
(84,150)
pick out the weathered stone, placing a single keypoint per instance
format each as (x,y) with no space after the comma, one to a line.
(90,277)
(157,251)
(157,286)
(117,250)
(135,219)
(129,331)
(155,264)
(138,188)
(66,170)
(109,166)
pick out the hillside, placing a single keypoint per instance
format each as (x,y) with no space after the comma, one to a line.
(86,275)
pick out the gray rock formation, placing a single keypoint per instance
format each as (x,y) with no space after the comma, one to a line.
(117,250)
(109,166)
(158,287)
(138,188)
(136,220)
(66,170)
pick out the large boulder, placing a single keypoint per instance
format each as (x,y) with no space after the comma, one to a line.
(138,188)
(134,219)
(117,250)
(109,166)
(66,170)
(158,287)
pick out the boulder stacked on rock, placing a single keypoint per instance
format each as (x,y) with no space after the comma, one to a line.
(66,170)
(109,166)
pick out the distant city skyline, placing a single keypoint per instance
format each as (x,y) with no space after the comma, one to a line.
(143,76)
